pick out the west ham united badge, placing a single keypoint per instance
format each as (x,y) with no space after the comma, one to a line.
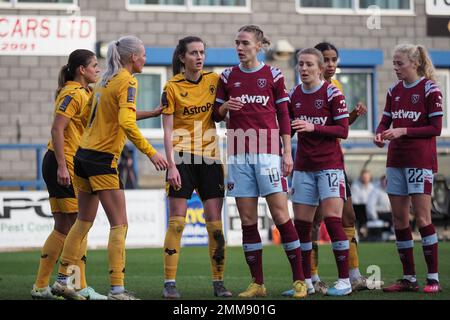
(318,104)
(262,83)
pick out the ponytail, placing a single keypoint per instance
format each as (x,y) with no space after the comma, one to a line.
(419,55)
(119,54)
(77,58)
(64,76)
(180,51)
(426,68)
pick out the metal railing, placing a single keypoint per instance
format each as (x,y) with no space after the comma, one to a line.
(37,183)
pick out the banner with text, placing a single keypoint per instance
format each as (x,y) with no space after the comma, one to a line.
(26,220)
(46,35)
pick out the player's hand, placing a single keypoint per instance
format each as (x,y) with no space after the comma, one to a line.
(157,111)
(378,140)
(233,104)
(302,126)
(361,109)
(391,134)
(62,176)
(159,162)
(174,178)
(287,165)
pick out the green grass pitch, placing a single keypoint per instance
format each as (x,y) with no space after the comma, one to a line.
(144,272)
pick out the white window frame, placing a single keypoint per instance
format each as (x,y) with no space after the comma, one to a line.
(14,4)
(188,7)
(446,73)
(355,9)
(355,133)
(153,133)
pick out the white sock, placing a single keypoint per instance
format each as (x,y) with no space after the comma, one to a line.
(117,289)
(169,280)
(343,283)
(308,283)
(410,278)
(433,276)
(315,277)
(354,274)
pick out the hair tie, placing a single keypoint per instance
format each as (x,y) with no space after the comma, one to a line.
(68,67)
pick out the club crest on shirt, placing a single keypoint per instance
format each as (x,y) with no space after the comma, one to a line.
(415,98)
(318,104)
(212,89)
(261,83)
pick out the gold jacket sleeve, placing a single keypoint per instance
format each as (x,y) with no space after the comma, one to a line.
(127,121)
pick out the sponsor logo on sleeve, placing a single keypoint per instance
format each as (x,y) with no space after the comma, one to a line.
(65,103)
(131,95)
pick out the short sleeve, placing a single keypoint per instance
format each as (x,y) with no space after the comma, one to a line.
(168,100)
(69,105)
(127,94)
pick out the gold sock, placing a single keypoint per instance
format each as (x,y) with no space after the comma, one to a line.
(82,263)
(172,244)
(116,254)
(71,253)
(49,256)
(353,260)
(314,259)
(216,244)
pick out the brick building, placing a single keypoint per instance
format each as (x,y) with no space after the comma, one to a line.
(365,37)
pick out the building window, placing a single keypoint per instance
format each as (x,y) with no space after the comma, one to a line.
(40,4)
(443,80)
(190,5)
(334,4)
(387,4)
(151,83)
(358,86)
(363,7)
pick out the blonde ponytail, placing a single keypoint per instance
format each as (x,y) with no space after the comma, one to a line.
(419,55)
(426,68)
(119,54)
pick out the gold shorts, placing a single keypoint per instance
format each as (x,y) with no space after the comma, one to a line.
(95,170)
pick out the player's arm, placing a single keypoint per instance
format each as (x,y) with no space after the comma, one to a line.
(141,114)
(359,110)
(221,108)
(433,102)
(284,122)
(339,129)
(385,123)
(59,125)
(223,104)
(127,121)
(69,106)
(173,175)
